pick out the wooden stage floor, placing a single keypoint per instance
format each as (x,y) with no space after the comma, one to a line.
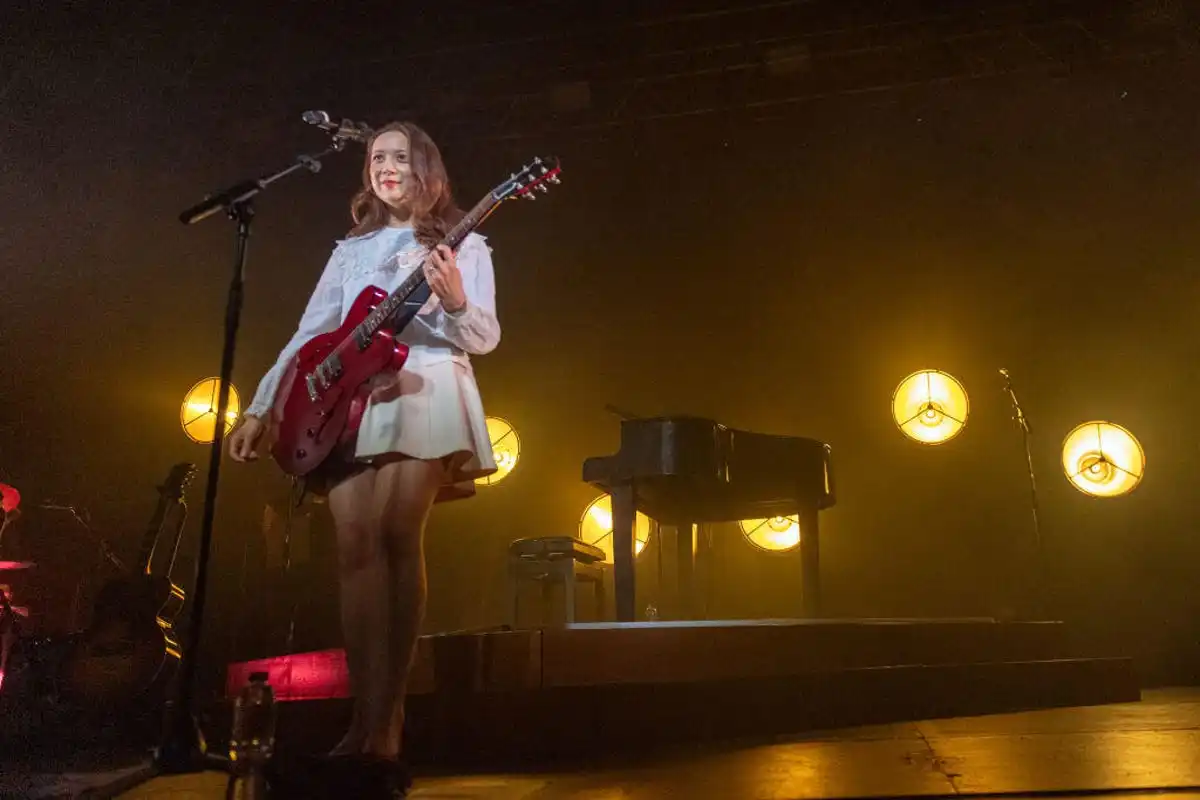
(1151,745)
(607,710)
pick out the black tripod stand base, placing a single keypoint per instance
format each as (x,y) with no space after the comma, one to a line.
(189,763)
(183,749)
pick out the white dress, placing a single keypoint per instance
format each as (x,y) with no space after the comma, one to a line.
(438,413)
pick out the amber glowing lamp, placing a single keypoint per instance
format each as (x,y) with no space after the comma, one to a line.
(930,406)
(596,527)
(1103,459)
(506,450)
(775,535)
(198,414)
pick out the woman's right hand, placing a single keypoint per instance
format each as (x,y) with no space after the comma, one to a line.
(243,443)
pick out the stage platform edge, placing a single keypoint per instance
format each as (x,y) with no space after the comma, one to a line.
(564,690)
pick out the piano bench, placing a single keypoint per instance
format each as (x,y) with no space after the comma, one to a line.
(556,559)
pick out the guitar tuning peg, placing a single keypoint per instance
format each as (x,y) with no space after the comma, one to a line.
(530,196)
(554,179)
(542,187)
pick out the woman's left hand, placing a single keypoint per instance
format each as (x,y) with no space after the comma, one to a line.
(445,278)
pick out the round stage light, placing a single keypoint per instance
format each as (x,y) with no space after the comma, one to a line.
(1103,459)
(506,449)
(595,527)
(198,415)
(930,406)
(776,535)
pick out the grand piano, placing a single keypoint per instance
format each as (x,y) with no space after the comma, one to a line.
(683,470)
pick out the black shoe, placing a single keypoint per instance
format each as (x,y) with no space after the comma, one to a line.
(399,779)
(368,776)
(386,778)
(312,778)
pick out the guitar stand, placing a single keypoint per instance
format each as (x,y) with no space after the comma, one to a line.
(182,748)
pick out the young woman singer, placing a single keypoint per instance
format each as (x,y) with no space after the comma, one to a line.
(422,438)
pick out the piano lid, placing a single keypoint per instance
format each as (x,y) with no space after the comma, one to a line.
(693,468)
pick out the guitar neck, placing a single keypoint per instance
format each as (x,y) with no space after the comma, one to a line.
(153,530)
(183,513)
(413,291)
(384,311)
(170,495)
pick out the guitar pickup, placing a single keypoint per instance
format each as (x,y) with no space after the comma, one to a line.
(326,373)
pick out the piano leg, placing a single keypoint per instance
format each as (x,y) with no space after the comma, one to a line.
(703,571)
(810,561)
(568,581)
(685,569)
(623,543)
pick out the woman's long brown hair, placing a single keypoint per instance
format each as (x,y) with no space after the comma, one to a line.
(430,201)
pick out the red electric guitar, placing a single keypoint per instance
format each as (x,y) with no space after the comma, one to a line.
(328,374)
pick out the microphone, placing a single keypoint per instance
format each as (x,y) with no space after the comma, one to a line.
(1021,419)
(343,129)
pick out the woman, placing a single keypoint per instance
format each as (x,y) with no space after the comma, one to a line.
(422,437)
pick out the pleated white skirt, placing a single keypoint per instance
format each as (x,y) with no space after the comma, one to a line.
(437,414)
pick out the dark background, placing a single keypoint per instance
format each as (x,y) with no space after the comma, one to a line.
(771,213)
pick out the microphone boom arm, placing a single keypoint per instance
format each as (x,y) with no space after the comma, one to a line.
(1019,414)
(240,193)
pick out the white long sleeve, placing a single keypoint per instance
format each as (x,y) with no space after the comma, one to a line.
(475,328)
(323,314)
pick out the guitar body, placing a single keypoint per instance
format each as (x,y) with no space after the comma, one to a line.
(128,649)
(141,593)
(314,402)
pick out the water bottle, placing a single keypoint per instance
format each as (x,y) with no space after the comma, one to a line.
(252,740)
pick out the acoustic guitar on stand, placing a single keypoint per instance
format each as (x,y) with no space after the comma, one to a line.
(129,646)
(330,372)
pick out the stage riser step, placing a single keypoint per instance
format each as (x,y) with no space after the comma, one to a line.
(662,654)
(483,727)
(578,720)
(580,657)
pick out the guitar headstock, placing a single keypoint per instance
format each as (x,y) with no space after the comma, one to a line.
(536,176)
(178,479)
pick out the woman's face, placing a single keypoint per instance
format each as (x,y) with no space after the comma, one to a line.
(390,168)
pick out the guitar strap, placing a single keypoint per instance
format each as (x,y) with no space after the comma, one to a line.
(402,255)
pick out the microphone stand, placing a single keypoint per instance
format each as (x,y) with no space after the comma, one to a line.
(1023,423)
(182,748)
(104,553)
